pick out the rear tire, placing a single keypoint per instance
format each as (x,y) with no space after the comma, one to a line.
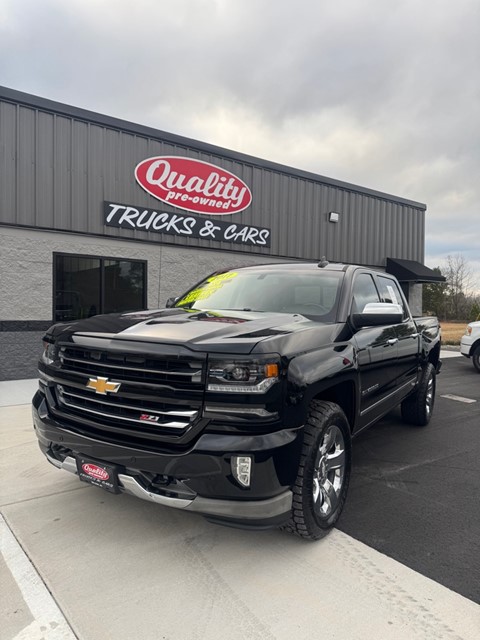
(321,486)
(476,358)
(417,408)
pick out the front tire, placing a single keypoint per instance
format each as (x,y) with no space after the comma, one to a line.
(476,358)
(321,486)
(417,408)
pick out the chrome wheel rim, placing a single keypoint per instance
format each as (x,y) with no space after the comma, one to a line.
(429,396)
(329,472)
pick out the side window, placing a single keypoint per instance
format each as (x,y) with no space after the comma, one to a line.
(390,292)
(364,291)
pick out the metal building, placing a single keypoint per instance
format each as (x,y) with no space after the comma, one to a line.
(100,215)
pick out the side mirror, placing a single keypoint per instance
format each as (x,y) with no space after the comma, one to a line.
(376,314)
(171,301)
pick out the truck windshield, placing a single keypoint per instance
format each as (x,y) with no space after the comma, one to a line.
(310,293)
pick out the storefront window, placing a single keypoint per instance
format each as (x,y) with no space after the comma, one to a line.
(124,285)
(86,286)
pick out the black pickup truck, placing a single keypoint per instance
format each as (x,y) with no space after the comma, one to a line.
(238,401)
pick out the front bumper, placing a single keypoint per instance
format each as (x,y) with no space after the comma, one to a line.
(199,479)
(252,511)
(465,346)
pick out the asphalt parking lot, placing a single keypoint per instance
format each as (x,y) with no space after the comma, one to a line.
(415,491)
(404,562)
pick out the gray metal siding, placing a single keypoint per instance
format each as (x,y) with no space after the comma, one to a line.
(8,146)
(56,171)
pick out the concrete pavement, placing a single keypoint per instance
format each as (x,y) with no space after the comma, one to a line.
(118,567)
(13,392)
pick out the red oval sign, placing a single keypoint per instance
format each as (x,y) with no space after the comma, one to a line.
(94,471)
(193,185)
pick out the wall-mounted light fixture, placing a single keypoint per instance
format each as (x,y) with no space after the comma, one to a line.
(333,217)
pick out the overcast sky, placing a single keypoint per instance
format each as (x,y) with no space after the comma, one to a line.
(385,94)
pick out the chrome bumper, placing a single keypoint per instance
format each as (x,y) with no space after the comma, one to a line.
(245,509)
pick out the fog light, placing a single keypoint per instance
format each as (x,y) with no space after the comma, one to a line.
(242,469)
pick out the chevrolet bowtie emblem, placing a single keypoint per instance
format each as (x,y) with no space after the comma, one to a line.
(103,385)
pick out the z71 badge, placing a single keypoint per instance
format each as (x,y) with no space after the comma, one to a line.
(148,418)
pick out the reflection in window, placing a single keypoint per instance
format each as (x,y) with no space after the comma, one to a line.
(86,286)
(364,292)
(276,290)
(124,285)
(390,292)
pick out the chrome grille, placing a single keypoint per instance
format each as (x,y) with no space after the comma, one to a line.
(179,373)
(159,416)
(159,397)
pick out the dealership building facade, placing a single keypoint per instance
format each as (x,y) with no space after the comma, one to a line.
(99,215)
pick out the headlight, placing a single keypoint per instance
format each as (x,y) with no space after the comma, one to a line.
(242,376)
(50,352)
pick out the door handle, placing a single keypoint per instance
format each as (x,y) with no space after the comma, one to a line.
(392,341)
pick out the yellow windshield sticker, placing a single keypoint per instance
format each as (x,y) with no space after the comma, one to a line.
(208,288)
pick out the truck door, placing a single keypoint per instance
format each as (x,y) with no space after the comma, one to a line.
(377,350)
(406,332)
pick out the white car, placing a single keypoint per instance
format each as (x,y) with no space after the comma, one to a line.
(470,344)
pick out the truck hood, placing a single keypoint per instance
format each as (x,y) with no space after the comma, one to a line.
(212,330)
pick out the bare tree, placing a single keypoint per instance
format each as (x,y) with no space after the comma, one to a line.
(459,288)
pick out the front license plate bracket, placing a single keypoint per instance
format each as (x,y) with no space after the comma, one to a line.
(98,473)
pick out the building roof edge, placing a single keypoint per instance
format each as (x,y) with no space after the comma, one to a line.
(29,100)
